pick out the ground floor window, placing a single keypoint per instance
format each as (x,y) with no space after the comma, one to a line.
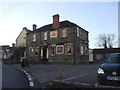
(86,50)
(81,50)
(59,49)
(52,50)
(69,48)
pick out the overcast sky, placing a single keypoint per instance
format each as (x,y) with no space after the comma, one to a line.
(95,17)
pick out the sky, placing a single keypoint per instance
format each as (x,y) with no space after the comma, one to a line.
(95,17)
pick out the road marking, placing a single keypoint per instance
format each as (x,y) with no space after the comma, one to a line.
(75,77)
(29,77)
(31,84)
(96,85)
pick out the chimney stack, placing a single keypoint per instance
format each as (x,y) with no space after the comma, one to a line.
(34,27)
(56,22)
(25,28)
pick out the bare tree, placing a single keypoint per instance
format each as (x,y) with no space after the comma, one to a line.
(105,41)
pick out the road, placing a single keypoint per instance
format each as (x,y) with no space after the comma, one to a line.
(69,73)
(13,78)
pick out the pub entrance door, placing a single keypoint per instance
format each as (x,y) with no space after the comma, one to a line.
(44,53)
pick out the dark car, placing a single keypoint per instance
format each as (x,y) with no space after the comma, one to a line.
(109,72)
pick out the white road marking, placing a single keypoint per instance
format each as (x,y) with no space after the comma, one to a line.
(96,85)
(75,77)
(29,77)
(31,84)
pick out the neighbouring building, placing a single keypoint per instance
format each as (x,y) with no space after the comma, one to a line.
(21,39)
(91,55)
(5,52)
(100,54)
(21,42)
(59,42)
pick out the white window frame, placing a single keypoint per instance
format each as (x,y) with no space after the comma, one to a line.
(82,50)
(86,50)
(45,36)
(64,33)
(52,50)
(34,37)
(67,46)
(78,32)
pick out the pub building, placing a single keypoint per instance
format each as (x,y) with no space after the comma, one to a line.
(60,42)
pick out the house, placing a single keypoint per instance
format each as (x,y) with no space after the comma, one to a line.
(21,39)
(5,52)
(21,42)
(59,42)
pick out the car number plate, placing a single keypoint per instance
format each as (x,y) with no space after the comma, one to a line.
(113,78)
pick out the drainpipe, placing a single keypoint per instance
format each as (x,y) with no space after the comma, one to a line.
(74,44)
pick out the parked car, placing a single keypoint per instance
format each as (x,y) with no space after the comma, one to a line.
(109,71)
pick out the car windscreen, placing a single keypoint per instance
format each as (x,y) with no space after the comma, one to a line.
(115,58)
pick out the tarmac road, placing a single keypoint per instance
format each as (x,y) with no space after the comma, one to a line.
(13,78)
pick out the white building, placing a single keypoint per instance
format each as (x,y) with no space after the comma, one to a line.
(21,39)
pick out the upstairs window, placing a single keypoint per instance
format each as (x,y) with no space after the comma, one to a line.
(45,36)
(78,32)
(34,37)
(64,33)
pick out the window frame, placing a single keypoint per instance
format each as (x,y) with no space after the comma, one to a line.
(78,32)
(68,45)
(53,45)
(81,50)
(45,36)
(34,37)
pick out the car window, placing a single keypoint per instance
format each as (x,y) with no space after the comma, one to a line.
(113,59)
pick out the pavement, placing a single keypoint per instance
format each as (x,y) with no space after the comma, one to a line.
(43,73)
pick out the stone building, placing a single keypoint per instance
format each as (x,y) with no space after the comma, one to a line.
(59,42)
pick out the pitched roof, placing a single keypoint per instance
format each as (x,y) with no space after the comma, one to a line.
(22,31)
(63,24)
(106,50)
(5,47)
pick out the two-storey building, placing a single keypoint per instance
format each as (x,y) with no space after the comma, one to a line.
(59,42)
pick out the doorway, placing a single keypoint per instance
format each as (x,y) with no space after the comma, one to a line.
(44,53)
